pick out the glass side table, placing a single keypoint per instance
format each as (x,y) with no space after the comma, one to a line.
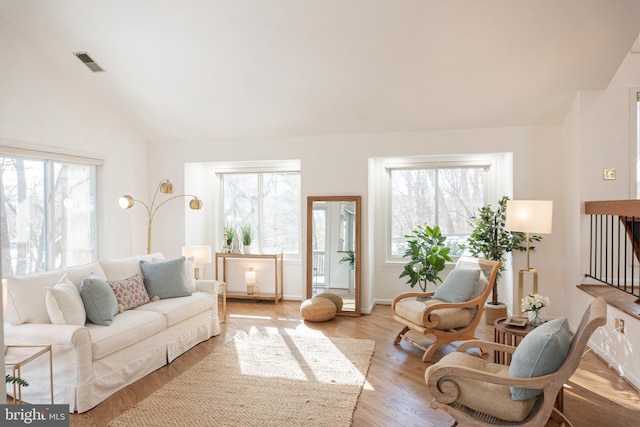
(18,355)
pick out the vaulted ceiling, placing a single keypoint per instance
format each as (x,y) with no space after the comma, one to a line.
(212,69)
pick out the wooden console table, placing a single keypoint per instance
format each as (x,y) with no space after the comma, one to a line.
(277,295)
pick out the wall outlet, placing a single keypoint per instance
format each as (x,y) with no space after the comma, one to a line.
(620,325)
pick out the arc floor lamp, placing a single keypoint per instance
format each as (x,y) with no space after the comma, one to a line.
(165,187)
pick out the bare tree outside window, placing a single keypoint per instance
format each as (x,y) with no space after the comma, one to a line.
(42,231)
(446,197)
(269,203)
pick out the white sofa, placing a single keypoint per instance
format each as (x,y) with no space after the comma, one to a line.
(91,361)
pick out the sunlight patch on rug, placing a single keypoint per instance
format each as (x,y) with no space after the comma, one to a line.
(267,377)
(295,356)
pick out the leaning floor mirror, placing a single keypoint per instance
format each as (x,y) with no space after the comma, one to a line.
(333,249)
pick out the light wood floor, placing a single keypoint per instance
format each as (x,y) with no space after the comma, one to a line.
(395,393)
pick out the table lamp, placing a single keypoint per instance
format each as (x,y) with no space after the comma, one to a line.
(529,216)
(200,254)
(250,280)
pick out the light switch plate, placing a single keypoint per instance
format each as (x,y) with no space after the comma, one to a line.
(609,173)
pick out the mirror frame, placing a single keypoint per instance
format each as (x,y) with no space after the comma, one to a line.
(357,200)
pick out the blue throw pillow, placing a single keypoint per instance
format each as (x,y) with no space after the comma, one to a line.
(460,285)
(165,279)
(99,301)
(541,352)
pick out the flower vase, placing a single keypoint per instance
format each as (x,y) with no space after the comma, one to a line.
(536,318)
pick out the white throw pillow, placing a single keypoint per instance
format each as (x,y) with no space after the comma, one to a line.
(64,304)
(189,279)
(26,297)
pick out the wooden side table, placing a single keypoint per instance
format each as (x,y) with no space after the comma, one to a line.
(509,335)
(18,355)
(513,335)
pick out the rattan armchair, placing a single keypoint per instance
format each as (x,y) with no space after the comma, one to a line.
(459,381)
(440,321)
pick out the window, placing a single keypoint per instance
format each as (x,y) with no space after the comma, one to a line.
(48,213)
(439,193)
(268,202)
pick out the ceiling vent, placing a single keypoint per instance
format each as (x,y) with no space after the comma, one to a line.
(86,60)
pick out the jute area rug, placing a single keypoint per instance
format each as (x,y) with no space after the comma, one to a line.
(281,378)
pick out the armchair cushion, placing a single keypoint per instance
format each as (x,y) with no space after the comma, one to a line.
(540,353)
(460,285)
(449,318)
(485,397)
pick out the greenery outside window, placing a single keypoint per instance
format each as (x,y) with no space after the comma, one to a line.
(48,212)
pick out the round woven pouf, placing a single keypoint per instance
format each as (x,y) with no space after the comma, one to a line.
(317,309)
(336,299)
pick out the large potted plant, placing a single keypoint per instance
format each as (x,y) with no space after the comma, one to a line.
(428,255)
(491,240)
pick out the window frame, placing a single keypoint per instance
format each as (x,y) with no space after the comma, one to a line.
(50,159)
(259,168)
(496,164)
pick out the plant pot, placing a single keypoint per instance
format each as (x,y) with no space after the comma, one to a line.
(246,249)
(494,312)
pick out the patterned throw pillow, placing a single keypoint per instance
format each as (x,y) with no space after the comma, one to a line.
(130,292)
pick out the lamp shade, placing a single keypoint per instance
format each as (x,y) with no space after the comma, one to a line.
(250,276)
(126,201)
(532,216)
(200,254)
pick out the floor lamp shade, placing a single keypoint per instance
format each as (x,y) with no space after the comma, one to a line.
(532,216)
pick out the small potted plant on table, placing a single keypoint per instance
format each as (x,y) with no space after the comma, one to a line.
(247,237)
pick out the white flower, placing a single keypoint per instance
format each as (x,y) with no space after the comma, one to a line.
(534,302)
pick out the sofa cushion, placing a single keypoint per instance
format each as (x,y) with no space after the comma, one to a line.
(539,353)
(77,273)
(64,304)
(26,297)
(175,310)
(99,300)
(129,292)
(164,279)
(460,285)
(123,268)
(127,328)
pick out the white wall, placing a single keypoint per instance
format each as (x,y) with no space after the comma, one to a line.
(338,165)
(602,137)
(42,108)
